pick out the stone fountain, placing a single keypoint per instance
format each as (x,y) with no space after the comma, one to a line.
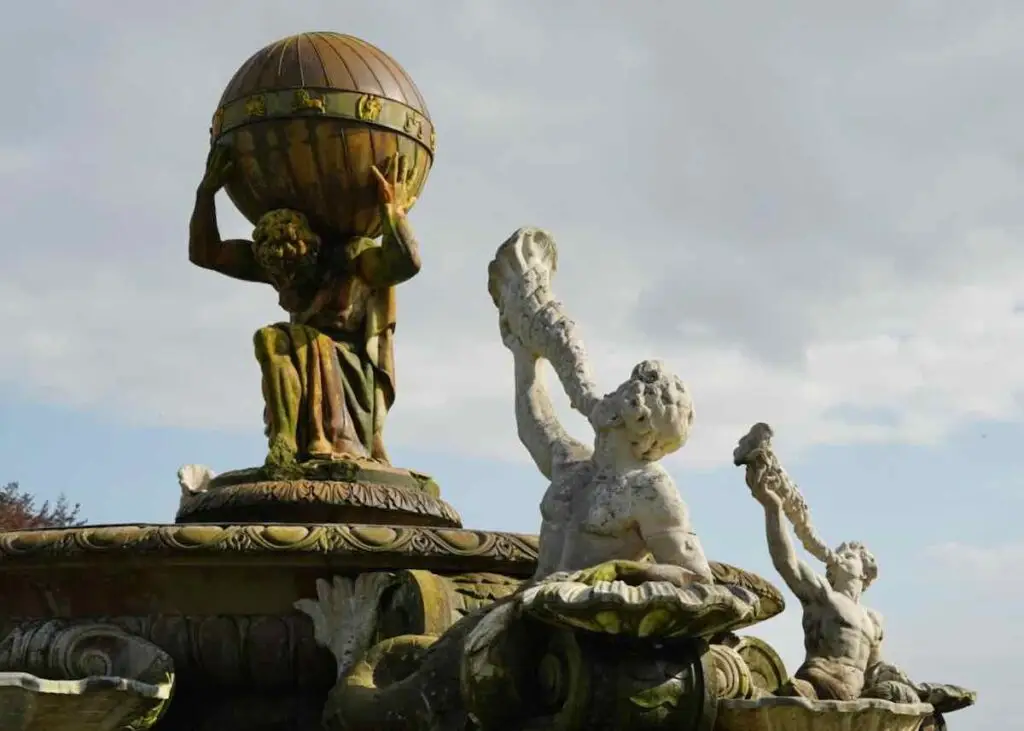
(330,589)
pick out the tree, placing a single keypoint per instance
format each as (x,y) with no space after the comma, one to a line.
(18,511)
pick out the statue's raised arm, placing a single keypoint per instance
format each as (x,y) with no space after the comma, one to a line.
(771,486)
(549,444)
(519,280)
(534,326)
(234,257)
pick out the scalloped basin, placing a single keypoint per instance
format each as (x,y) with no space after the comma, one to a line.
(211,569)
(28,703)
(220,598)
(798,714)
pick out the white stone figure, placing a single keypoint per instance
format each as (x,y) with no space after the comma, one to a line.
(345,615)
(842,638)
(612,501)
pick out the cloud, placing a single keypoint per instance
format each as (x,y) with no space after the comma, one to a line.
(819,229)
(973,637)
(992,567)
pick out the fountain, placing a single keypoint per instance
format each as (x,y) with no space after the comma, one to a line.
(330,589)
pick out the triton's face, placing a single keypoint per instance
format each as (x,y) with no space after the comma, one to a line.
(846,572)
(850,562)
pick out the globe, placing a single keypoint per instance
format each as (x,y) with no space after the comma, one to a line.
(306,119)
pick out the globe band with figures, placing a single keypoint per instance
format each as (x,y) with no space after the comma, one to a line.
(330,589)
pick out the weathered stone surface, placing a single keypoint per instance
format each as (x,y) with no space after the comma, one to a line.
(317,491)
(569,652)
(767,671)
(351,546)
(317,501)
(60,649)
(58,675)
(28,703)
(652,610)
(800,714)
(733,678)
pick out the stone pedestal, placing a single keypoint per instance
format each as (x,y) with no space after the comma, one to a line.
(341,491)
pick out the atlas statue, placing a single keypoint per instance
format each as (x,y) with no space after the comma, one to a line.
(326,166)
(328,372)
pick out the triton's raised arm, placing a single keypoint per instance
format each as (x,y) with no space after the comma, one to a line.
(771,487)
(206,249)
(539,429)
(801,579)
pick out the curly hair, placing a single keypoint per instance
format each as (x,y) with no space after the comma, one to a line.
(655,409)
(867,560)
(285,245)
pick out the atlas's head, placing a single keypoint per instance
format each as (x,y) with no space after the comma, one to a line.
(653,409)
(851,562)
(285,246)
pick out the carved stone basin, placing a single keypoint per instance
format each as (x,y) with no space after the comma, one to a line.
(799,714)
(220,599)
(28,703)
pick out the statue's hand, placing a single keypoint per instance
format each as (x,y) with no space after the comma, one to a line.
(760,488)
(519,281)
(218,169)
(395,184)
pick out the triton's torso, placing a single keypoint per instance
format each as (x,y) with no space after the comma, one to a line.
(842,630)
(593,514)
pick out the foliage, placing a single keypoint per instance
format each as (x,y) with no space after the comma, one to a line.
(18,511)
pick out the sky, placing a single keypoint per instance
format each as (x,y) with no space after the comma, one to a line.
(811,211)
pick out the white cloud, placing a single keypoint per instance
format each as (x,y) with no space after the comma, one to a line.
(988,567)
(972,634)
(758,233)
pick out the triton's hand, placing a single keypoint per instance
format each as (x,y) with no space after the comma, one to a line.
(762,492)
(395,184)
(218,169)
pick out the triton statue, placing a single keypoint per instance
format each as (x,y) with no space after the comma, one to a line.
(613,501)
(842,637)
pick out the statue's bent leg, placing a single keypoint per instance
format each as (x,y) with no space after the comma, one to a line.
(282,390)
(317,368)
